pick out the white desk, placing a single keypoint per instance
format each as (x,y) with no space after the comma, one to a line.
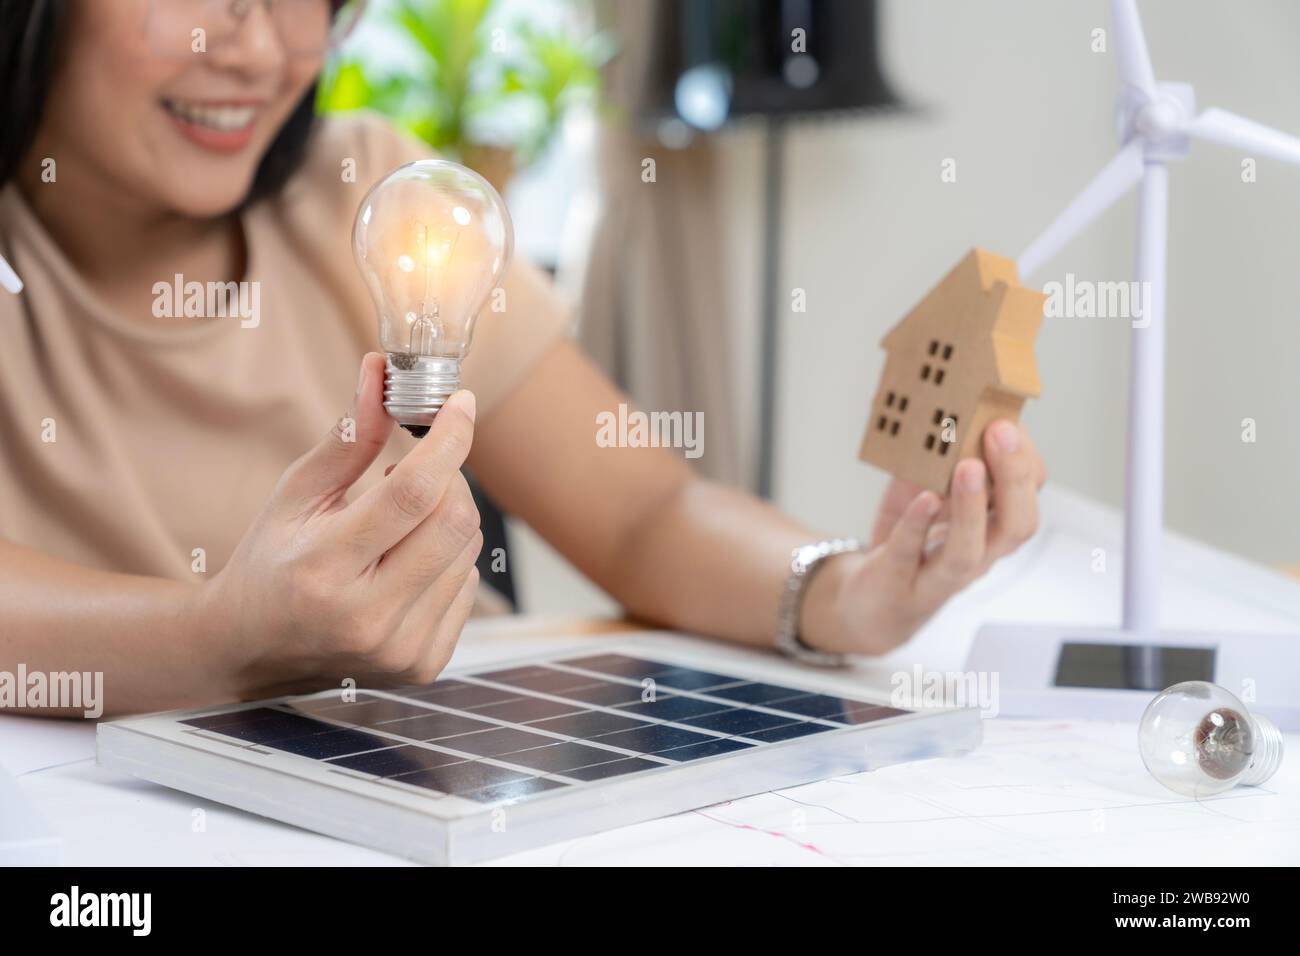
(1036,792)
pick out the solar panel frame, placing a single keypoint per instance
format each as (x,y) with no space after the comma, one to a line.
(514,812)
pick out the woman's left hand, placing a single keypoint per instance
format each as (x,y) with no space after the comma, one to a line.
(924,549)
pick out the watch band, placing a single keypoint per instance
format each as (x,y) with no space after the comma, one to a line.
(804,563)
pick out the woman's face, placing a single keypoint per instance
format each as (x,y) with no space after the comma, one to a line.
(169,113)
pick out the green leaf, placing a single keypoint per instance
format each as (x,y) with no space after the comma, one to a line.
(458,76)
(346,88)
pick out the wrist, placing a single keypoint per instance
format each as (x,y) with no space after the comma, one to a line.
(821,624)
(213,641)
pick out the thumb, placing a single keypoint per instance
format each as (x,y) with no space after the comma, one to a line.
(356,440)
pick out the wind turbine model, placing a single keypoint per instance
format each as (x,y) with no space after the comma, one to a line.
(1108,672)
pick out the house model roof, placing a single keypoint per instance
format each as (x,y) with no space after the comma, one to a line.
(981,302)
(960,359)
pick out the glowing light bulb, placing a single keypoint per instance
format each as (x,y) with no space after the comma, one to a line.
(432,240)
(1198,740)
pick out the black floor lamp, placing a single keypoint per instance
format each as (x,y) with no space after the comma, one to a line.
(774,61)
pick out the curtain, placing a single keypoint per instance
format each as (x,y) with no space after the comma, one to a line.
(652,310)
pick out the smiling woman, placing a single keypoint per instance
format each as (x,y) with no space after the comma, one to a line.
(133,184)
(170,514)
(182,29)
(172,50)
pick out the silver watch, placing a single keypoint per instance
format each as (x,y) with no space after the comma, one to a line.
(804,563)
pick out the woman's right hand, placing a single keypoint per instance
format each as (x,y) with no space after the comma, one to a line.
(378,589)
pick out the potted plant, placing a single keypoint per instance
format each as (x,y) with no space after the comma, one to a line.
(489,94)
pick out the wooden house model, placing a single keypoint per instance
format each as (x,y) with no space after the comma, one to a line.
(961,359)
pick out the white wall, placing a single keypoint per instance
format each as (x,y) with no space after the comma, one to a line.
(1011,90)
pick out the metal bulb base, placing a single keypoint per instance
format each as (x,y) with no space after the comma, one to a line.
(1267,757)
(416,387)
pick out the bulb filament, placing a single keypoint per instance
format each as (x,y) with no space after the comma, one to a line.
(425,331)
(424,334)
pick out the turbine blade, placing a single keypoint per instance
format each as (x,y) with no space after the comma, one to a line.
(1115,179)
(1228,129)
(1134,58)
(9,279)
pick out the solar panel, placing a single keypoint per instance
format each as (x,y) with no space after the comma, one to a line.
(493,760)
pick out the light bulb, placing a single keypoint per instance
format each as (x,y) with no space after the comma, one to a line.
(432,240)
(1198,740)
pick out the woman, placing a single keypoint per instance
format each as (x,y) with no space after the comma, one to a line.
(170,515)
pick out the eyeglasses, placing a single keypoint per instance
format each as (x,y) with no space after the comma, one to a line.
(180,28)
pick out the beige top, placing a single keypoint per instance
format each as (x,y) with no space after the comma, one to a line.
(169,438)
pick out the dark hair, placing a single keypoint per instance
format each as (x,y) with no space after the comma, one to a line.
(31,36)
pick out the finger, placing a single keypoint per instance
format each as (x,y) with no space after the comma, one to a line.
(446,630)
(342,456)
(393,507)
(962,555)
(1015,489)
(411,640)
(898,496)
(434,546)
(936,536)
(436,600)
(1040,466)
(904,546)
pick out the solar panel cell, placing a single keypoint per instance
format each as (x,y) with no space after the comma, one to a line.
(559,758)
(757,693)
(618,665)
(811,705)
(686,678)
(337,743)
(789,732)
(653,739)
(606,695)
(591,723)
(669,707)
(739,722)
(527,709)
(263,725)
(545,679)
(617,768)
(467,696)
(396,760)
(434,725)
(710,748)
(491,743)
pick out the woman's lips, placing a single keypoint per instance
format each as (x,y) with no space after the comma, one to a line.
(219,127)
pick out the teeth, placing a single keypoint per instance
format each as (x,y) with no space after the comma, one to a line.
(224,119)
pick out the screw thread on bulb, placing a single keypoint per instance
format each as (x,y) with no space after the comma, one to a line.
(1268,752)
(417,386)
